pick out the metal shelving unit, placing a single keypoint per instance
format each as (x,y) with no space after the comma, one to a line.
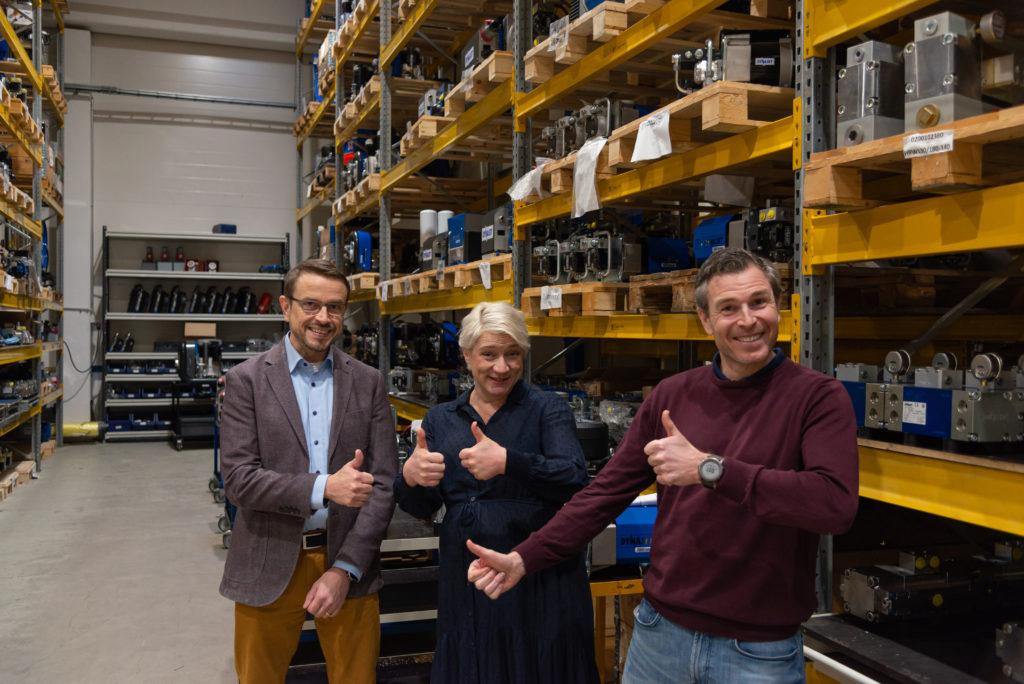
(122,250)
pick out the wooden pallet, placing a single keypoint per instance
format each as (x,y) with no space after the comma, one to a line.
(493,71)
(987,150)
(325,79)
(586,299)
(422,130)
(599,25)
(673,291)
(467,275)
(722,107)
(359,282)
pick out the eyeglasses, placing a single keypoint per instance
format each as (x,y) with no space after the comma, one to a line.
(312,307)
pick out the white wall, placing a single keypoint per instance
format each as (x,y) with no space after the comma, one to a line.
(170,166)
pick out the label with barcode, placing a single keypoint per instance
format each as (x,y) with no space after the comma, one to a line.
(923,144)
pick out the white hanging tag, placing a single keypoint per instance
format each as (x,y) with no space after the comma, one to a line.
(652,138)
(485,274)
(584,172)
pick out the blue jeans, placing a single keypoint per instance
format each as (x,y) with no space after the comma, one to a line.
(662,652)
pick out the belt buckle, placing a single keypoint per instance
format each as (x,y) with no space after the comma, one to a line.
(314,539)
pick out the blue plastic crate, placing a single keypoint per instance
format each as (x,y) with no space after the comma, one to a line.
(119,425)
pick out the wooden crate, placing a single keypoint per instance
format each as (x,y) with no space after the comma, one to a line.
(987,151)
(586,299)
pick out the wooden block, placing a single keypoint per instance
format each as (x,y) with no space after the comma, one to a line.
(953,171)
(574,50)
(609,23)
(775,9)
(836,187)
(25,470)
(540,67)
(561,180)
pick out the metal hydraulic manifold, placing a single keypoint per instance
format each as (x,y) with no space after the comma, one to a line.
(870,94)
(945,75)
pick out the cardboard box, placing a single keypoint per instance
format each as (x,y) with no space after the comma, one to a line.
(198,331)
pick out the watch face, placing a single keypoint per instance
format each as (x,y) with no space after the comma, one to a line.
(710,470)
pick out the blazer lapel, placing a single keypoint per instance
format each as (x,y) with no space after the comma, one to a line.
(342,392)
(280,381)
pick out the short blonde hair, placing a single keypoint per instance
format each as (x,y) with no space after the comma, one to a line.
(494,317)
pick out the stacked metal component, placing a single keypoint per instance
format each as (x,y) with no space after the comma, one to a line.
(985,404)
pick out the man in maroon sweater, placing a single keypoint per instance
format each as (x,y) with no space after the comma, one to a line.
(733,561)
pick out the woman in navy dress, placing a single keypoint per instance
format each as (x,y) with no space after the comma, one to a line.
(502,458)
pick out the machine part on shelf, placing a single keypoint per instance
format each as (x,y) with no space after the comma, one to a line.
(618,415)
(464,237)
(116,344)
(942,72)
(246,301)
(230,299)
(488,38)
(496,234)
(361,75)
(429,344)
(401,380)
(326,158)
(437,386)
(176,301)
(762,57)
(1010,650)
(870,94)
(897,365)
(358,252)
(265,303)
(156,299)
(601,118)
(549,260)
(198,359)
(129,342)
(718,232)
(769,232)
(593,437)
(438,252)
(138,299)
(924,586)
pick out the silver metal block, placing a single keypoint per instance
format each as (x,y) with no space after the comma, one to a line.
(988,416)
(870,94)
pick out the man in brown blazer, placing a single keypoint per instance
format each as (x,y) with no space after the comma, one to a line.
(309,458)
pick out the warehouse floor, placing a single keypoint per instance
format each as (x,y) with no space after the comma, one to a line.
(109,568)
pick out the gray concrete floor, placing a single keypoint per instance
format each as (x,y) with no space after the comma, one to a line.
(109,568)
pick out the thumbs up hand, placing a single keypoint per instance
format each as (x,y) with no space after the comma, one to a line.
(672,457)
(423,468)
(350,486)
(486,458)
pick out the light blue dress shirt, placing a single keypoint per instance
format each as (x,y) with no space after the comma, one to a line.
(314,392)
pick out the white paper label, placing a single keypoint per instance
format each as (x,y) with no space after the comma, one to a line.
(584,177)
(652,138)
(383,289)
(487,233)
(559,32)
(550,297)
(469,56)
(915,412)
(485,274)
(428,254)
(923,144)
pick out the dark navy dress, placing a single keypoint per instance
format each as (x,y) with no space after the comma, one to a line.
(541,631)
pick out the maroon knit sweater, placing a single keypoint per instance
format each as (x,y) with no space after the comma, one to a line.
(737,561)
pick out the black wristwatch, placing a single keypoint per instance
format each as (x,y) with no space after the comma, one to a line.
(710,471)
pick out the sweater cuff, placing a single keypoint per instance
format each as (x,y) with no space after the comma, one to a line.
(737,479)
(532,554)
(517,465)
